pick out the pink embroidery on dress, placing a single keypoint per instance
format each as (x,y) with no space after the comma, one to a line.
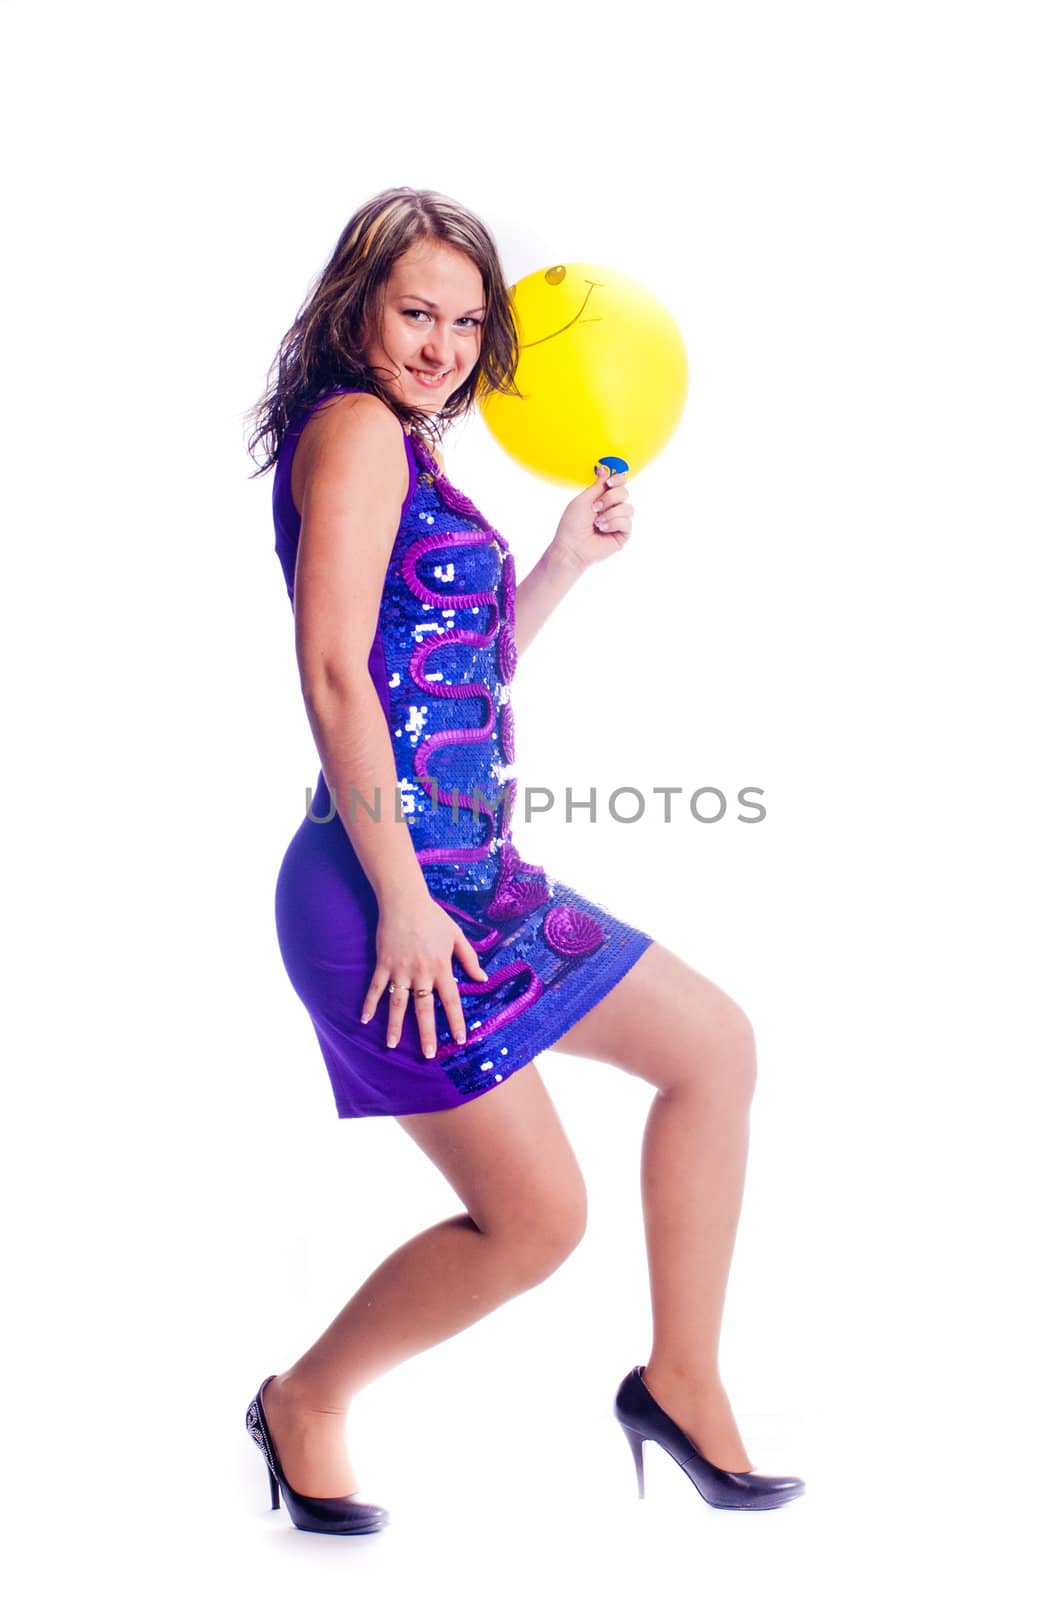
(571,932)
(456,799)
(509,587)
(514,897)
(506,652)
(506,732)
(512,1009)
(449,494)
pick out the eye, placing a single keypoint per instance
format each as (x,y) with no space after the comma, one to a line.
(417,311)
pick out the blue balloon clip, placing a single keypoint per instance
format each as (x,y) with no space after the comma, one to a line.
(615,463)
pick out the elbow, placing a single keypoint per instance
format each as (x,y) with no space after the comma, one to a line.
(333,686)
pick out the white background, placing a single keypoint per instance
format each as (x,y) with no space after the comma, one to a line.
(842,588)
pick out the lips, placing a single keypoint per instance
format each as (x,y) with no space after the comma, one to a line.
(429,380)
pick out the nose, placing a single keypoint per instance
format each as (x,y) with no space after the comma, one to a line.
(437,352)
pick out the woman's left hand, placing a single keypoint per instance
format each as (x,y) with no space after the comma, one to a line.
(598,522)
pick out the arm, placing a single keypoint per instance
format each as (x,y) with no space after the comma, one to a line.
(593,525)
(537,594)
(356,479)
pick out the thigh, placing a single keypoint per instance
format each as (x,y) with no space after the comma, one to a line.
(507,1157)
(667,1023)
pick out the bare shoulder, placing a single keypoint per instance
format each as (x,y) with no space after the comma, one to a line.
(350,436)
(359,404)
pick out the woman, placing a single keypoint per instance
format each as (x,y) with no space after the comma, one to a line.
(433,961)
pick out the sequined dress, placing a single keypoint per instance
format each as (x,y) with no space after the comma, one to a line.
(442,661)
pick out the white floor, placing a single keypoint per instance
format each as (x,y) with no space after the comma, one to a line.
(531,1490)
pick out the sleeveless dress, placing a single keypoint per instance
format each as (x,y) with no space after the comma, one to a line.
(442,662)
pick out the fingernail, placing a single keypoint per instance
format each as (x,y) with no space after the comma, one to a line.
(431,1053)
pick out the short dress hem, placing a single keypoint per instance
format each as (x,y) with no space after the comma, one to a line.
(529,1049)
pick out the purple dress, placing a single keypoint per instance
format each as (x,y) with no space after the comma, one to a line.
(442,662)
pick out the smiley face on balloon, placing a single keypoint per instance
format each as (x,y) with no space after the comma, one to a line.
(602,372)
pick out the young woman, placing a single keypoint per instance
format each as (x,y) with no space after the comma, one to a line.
(434,962)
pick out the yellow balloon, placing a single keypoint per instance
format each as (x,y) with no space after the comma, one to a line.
(602,371)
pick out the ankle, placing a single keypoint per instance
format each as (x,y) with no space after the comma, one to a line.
(292,1393)
(699,1377)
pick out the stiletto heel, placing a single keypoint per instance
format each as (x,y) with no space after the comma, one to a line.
(635,1439)
(311,1514)
(642,1418)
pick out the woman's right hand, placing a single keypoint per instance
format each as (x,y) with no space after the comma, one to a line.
(416,940)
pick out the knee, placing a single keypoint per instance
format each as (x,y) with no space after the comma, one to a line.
(549,1233)
(729,1066)
(741,1068)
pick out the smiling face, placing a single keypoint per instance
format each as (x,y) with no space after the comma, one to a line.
(602,372)
(430,333)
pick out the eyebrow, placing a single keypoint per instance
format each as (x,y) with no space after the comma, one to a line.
(434,307)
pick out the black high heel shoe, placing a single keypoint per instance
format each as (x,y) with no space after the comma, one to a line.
(642,1418)
(345,1514)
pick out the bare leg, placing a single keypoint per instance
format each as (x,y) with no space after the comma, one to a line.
(668,1024)
(507,1156)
